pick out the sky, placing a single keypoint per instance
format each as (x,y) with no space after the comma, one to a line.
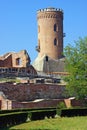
(18,23)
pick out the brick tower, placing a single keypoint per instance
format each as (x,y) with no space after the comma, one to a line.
(50,32)
(50,40)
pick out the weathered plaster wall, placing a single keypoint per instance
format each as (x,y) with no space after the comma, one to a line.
(5,104)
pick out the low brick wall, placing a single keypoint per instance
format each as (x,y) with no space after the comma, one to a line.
(39,104)
(29,92)
(82,103)
(42,104)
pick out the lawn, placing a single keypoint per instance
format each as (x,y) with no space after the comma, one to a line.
(64,123)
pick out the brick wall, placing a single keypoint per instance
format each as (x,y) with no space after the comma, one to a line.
(24,59)
(7,62)
(46,34)
(79,102)
(10,59)
(28,92)
(39,104)
(45,103)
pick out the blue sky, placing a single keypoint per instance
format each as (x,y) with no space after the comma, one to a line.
(18,23)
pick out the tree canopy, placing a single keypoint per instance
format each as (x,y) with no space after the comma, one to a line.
(76,65)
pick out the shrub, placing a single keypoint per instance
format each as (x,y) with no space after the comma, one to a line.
(41,114)
(60,106)
(17,116)
(74,112)
(10,119)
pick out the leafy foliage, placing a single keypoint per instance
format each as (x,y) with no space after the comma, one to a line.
(61,105)
(76,65)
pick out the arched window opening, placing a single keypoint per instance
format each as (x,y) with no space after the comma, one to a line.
(18,61)
(55,41)
(46,58)
(55,27)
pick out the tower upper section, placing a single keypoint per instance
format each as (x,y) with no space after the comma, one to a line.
(50,32)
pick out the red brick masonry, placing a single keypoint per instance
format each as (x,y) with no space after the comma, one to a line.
(29,92)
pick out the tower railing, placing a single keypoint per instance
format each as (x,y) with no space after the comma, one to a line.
(37,48)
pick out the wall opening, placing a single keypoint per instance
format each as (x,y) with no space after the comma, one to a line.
(55,27)
(55,41)
(18,61)
(46,58)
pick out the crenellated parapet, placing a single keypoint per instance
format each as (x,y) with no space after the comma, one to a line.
(50,9)
(50,13)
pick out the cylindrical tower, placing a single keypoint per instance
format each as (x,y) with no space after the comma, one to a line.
(50,33)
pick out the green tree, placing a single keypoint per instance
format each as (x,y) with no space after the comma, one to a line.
(76,65)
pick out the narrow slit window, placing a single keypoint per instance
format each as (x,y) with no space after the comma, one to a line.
(55,41)
(55,27)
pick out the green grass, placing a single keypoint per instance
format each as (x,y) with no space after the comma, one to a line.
(65,123)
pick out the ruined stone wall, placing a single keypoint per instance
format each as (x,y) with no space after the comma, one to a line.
(16,64)
(27,92)
(1,63)
(7,62)
(20,59)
